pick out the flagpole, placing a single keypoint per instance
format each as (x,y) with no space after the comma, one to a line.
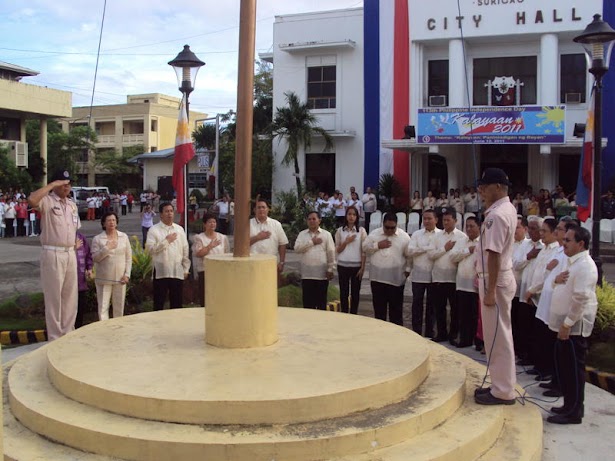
(186,181)
(597,183)
(243,150)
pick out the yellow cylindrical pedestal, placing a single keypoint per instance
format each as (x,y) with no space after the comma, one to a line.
(242,301)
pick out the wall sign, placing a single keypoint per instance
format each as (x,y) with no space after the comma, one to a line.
(492,125)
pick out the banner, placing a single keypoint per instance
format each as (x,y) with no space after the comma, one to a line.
(492,125)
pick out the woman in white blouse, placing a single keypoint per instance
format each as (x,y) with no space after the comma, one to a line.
(429,202)
(350,259)
(356,202)
(112,257)
(206,243)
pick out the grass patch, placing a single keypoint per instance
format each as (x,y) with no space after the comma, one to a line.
(22,324)
(602,357)
(291,296)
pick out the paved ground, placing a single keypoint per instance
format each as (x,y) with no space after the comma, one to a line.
(592,440)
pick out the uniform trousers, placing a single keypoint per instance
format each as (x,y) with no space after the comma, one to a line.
(497,334)
(314,293)
(389,298)
(443,293)
(570,367)
(467,305)
(114,293)
(171,287)
(418,295)
(60,290)
(348,276)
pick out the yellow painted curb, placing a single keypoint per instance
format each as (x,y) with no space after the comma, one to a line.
(11,337)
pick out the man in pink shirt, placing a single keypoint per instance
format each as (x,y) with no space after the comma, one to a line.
(496,287)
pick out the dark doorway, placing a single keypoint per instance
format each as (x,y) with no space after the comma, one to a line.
(512,158)
(437,174)
(569,171)
(165,188)
(320,172)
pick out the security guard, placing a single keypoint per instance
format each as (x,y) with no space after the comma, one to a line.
(497,286)
(60,221)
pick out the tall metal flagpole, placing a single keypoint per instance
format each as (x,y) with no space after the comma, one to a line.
(186,181)
(243,149)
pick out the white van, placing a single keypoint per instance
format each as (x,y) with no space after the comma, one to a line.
(81,194)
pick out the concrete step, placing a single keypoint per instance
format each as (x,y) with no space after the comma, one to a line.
(41,408)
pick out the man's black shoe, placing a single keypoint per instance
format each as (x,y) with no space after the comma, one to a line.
(544,377)
(481,390)
(565,419)
(548,385)
(566,411)
(488,399)
(552,393)
(460,345)
(439,339)
(532,371)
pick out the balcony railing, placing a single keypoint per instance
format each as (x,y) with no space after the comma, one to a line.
(127,139)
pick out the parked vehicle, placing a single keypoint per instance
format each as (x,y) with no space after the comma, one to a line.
(81,194)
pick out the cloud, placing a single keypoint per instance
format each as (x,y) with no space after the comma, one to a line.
(139,38)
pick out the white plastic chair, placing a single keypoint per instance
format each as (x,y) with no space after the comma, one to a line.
(401,220)
(413,223)
(587,224)
(375,220)
(606,230)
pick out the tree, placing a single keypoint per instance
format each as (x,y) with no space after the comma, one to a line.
(63,149)
(390,188)
(13,177)
(122,173)
(297,125)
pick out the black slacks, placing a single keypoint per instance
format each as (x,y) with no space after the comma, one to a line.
(315,293)
(171,287)
(348,276)
(418,295)
(389,298)
(525,322)
(443,293)
(467,306)
(570,368)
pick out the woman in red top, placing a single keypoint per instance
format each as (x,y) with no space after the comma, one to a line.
(21,213)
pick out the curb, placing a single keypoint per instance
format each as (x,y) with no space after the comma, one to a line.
(13,337)
(601,379)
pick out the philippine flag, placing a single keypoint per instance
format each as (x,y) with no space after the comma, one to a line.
(184,152)
(585,180)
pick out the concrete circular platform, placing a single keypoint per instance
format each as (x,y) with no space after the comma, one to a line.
(157,366)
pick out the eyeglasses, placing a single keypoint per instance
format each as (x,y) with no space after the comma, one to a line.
(390,227)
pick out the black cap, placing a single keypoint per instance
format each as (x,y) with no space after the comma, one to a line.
(61,175)
(494,176)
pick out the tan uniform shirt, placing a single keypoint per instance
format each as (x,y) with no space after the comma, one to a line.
(498,234)
(59,221)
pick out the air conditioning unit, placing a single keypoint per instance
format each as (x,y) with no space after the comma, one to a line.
(18,152)
(572,98)
(437,101)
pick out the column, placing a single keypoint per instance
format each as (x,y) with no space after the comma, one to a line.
(43,148)
(549,62)
(456,74)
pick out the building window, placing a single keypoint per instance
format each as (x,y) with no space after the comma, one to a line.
(197,180)
(521,68)
(573,78)
(320,172)
(154,125)
(437,83)
(321,87)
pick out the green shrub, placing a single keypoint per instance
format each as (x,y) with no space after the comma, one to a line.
(605,317)
(291,295)
(9,309)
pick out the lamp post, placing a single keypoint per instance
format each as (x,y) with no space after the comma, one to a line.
(597,40)
(186,65)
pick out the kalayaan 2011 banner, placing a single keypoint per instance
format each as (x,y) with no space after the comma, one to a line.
(492,125)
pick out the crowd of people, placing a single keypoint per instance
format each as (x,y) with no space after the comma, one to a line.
(471,274)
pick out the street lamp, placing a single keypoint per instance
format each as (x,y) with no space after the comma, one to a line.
(597,40)
(186,65)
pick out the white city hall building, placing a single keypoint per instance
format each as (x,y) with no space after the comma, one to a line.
(435,91)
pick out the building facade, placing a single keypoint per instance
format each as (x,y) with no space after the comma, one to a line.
(19,102)
(149,120)
(424,67)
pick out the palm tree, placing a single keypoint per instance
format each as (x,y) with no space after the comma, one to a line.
(297,124)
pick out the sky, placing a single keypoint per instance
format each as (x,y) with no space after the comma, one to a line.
(59,39)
